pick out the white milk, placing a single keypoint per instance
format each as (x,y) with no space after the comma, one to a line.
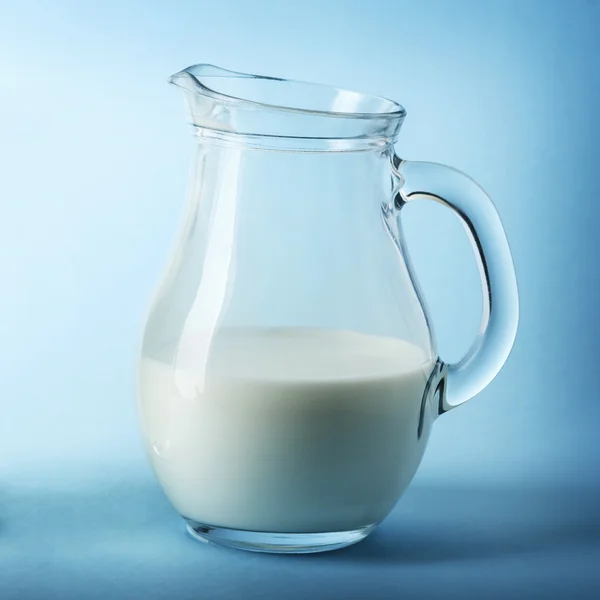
(286,430)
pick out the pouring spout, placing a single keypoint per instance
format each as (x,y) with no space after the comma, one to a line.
(208,107)
(195,78)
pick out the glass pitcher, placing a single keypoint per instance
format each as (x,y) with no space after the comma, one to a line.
(289,378)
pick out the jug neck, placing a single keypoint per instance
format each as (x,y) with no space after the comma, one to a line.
(268,112)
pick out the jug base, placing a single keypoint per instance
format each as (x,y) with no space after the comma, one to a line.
(276,543)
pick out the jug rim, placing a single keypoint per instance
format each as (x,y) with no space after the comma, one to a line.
(198,73)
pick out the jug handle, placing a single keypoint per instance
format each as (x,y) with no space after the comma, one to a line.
(500,315)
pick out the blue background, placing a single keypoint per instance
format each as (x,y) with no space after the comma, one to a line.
(94,156)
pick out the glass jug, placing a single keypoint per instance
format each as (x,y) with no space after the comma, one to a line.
(289,379)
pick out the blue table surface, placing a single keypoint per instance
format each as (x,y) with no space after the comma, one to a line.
(118,538)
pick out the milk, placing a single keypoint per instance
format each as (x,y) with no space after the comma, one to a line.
(286,430)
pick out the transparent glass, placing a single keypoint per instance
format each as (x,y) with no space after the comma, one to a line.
(289,378)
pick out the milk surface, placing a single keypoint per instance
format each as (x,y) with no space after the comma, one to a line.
(286,430)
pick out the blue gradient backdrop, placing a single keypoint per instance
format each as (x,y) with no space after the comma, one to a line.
(94,155)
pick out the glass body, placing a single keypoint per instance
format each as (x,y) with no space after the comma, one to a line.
(289,377)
